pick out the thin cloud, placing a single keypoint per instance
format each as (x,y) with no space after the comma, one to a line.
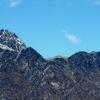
(14,3)
(61,1)
(97,2)
(72,38)
(69,4)
(10,3)
(94,2)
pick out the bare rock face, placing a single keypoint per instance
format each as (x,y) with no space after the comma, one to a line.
(9,40)
(28,76)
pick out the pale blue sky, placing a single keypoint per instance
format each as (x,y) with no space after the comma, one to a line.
(54,27)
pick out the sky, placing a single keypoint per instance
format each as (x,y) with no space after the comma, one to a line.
(54,27)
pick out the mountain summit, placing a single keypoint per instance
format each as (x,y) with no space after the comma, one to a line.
(9,40)
(28,76)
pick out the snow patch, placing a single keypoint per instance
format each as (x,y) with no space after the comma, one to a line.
(54,84)
(19,41)
(5,47)
(3,32)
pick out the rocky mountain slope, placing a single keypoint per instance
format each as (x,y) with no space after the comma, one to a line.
(9,40)
(28,76)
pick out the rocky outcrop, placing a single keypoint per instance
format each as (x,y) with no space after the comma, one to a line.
(28,76)
(9,40)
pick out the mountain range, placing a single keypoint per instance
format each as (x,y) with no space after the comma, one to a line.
(26,75)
